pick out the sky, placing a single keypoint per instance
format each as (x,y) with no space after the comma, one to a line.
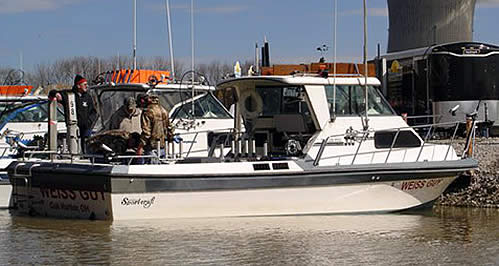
(42,31)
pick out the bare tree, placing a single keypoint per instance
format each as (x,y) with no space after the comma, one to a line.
(63,71)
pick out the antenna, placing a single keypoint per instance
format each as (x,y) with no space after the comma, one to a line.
(21,60)
(366,126)
(192,38)
(170,41)
(192,52)
(334,58)
(134,34)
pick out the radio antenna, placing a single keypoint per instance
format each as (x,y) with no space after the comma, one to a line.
(170,41)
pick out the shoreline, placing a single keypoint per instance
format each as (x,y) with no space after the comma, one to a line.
(478,188)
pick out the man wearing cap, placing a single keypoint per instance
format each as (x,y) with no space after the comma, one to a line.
(85,108)
(155,126)
(127,118)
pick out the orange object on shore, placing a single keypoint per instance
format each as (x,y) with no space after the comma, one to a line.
(137,76)
(14,90)
(341,69)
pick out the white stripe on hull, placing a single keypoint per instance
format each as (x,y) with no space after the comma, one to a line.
(358,198)
(5,194)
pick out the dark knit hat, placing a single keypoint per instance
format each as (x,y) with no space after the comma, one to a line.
(79,79)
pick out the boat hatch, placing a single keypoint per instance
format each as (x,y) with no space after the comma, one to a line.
(280,166)
(261,166)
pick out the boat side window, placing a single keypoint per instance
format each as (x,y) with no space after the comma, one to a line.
(206,107)
(405,139)
(272,98)
(350,100)
(282,100)
(31,113)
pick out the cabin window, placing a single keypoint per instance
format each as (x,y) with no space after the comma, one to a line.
(350,100)
(27,112)
(272,98)
(405,139)
(205,107)
(282,100)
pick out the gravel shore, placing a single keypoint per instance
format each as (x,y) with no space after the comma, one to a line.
(478,188)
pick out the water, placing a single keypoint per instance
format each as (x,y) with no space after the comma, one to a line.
(439,237)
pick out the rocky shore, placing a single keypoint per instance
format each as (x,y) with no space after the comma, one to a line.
(478,188)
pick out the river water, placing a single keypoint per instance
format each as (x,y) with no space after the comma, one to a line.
(440,236)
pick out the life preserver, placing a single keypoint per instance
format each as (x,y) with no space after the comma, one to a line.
(250,104)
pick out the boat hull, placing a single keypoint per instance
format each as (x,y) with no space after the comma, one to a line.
(5,193)
(336,199)
(106,194)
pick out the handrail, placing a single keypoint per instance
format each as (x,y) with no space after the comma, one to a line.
(393,144)
(364,137)
(321,150)
(424,142)
(451,141)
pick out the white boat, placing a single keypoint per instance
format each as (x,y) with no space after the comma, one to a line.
(26,118)
(23,122)
(307,148)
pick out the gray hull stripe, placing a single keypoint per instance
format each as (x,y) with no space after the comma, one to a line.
(102,178)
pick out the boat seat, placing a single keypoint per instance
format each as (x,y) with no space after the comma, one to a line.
(294,123)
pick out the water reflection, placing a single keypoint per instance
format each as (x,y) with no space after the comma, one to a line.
(50,241)
(440,236)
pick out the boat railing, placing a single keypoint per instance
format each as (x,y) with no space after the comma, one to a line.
(223,132)
(352,136)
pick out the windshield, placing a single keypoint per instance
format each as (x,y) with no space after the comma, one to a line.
(205,107)
(16,112)
(350,101)
(111,101)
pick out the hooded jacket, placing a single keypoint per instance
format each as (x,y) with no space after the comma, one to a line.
(155,125)
(126,121)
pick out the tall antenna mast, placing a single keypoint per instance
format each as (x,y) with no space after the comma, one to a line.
(170,41)
(192,52)
(134,34)
(366,125)
(334,58)
(192,38)
(21,60)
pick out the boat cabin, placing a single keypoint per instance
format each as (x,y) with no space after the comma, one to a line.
(197,115)
(290,115)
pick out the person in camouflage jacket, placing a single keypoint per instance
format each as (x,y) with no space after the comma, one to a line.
(155,126)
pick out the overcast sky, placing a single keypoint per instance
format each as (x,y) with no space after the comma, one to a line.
(225,30)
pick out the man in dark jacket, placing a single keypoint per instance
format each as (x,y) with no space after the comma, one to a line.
(85,109)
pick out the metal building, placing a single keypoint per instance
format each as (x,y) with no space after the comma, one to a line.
(423,23)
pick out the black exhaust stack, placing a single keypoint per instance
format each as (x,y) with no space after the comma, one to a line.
(265,54)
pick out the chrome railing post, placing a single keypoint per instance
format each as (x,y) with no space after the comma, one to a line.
(424,142)
(364,136)
(321,150)
(451,140)
(393,144)
(192,144)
